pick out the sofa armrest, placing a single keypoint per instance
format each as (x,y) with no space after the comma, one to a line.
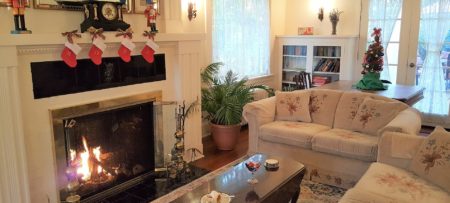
(398,149)
(257,114)
(407,121)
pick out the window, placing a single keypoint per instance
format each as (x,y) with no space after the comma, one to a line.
(240,36)
(386,14)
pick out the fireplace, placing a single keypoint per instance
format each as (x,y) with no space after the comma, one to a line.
(105,147)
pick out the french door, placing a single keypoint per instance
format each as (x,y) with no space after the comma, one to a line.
(416,49)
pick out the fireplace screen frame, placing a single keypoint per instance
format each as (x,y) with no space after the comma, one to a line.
(58,116)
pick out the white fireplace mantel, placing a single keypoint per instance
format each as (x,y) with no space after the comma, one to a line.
(57,38)
(26,167)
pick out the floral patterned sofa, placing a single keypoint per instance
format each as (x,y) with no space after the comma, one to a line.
(338,132)
(409,169)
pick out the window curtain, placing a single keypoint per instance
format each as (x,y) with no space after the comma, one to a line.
(434,27)
(383,14)
(240,36)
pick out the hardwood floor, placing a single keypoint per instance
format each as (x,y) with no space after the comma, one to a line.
(215,159)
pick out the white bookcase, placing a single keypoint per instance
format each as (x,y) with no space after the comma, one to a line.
(327,58)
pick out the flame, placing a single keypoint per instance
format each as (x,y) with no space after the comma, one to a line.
(73,155)
(83,161)
(96,152)
(85,168)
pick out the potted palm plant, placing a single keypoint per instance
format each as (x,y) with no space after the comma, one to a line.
(223,99)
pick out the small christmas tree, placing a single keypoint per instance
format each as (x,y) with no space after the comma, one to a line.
(373,64)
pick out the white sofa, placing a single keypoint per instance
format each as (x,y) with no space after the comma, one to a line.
(389,179)
(333,153)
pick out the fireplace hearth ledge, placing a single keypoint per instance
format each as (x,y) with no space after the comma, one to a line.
(26,171)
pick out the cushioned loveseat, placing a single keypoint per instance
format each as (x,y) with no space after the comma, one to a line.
(334,133)
(409,169)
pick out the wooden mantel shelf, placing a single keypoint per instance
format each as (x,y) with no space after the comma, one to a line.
(57,38)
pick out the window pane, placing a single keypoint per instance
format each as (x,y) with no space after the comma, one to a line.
(392,54)
(240,34)
(385,15)
(396,33)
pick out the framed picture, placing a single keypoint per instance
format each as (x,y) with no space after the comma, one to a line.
(140,5)
(305,31)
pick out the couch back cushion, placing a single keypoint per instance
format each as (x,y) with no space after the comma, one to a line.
(347,108)
(293,106)
(374,114)
(322,106)
(432,161)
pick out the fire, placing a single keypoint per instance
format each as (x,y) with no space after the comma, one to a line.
(86,165)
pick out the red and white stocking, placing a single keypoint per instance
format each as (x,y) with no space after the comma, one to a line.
(125,49)
(149,51)
(96,52)
(69,54)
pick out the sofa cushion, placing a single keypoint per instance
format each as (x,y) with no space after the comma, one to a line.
(347,108)
(293,106)
(291,133)
(347,144)
(397,184)
(432,161)
(322,106)
(374,114)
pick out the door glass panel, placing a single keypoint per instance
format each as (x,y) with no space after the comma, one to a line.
(396,33)
(393,71)
(433,57)
(386,14)
(392,53)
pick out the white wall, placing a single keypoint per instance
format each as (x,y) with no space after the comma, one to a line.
(41,21)
(304,14)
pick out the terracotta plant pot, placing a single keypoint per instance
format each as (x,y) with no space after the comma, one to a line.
(225,136)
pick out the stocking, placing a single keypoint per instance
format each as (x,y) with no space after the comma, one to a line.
(69,54)
(125,49)
(98,46)
(149,51)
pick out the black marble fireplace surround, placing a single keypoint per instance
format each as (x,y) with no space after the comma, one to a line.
(120,140)
(53,78)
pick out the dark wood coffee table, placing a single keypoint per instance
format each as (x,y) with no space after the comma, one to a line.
(282,185)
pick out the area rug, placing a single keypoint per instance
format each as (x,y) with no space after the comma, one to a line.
(312,192)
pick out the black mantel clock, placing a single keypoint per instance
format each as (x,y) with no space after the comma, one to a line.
(106,14)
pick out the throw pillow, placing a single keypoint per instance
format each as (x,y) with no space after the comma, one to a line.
(373,115)
(347,108)
(432,161)
(323,106)
(293,106)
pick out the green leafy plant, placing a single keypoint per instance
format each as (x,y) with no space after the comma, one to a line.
(223,98)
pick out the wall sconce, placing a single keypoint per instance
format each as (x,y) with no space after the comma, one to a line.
(320,14)
(192,10)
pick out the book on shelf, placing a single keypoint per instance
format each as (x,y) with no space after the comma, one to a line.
(321,80)
(328,65)
(294,50)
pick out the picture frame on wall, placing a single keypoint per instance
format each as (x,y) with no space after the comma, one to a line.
(139,6)
(305,31)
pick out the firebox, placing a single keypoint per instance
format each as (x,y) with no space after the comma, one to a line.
(103,147)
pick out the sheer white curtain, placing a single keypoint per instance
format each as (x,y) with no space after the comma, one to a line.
(383,14)
(434,26)
(240,36)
